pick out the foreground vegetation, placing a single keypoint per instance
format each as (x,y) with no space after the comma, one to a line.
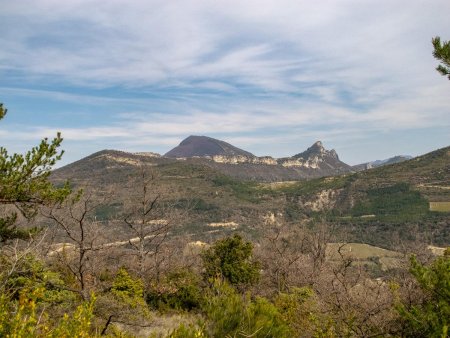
(234,291)
(63,278)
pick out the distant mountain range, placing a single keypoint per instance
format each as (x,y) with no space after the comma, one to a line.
(316,161)
(379,163)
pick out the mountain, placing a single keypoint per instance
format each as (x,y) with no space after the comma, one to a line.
(224,158)
(316,161)
(317,157)
(317,149)
(379,163)
(201,146)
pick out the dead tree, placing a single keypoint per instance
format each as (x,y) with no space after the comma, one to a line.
(75,219)
(150,219)
(293,255)
(282,252)
(358,304)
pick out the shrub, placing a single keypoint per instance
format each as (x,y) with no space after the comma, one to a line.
(21,318)
(179,290)
(231,314)
(431,316)
(231,260)
(128,289)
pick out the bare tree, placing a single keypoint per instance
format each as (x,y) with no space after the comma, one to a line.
(281,252)
(293,255)
(358,304)
(150,218)
(75,218)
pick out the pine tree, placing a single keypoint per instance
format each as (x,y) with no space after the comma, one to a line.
(442,53)
(24,184)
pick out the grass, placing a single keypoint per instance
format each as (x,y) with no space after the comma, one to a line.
(365,254)
(308,188)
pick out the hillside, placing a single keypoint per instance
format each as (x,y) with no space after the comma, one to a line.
(379,163)
(227,159)
(371,206)
(381,202)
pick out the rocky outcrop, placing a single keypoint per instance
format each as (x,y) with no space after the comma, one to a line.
(148,154)
(267,160)
(325,200)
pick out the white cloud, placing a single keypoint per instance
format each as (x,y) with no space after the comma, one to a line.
(231,68)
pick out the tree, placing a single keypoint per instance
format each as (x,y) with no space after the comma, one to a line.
(442,53)
(293,255)
(24,184)
(231,259)
(430,316)
(75,217)
(150,219)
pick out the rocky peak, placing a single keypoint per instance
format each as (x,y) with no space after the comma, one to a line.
(317,150)
(334,154)
(317,146)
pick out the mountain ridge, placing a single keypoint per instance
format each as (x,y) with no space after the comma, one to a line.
(223,157)
(316,157)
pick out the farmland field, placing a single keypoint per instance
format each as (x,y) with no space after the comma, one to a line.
(440,206)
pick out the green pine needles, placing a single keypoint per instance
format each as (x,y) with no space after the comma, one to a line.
(24,182)
(442,53)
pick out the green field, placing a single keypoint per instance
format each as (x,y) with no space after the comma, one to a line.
(365,254)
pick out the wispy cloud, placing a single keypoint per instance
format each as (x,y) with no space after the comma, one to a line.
(152,72)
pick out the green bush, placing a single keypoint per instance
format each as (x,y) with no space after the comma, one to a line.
(179,290)
(29,274)
(231,259)
(22,318)
(128,289)
(230,314)
(190,331)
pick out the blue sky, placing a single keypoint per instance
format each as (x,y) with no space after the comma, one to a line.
(271,77)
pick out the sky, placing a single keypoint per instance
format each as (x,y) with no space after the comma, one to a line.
(270,77)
